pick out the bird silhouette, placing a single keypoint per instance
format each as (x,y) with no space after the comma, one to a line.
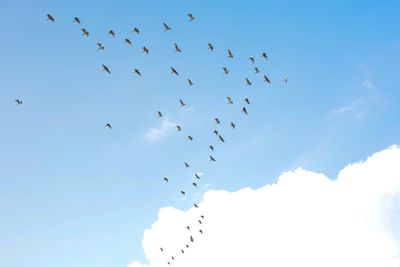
(211,148)
(169,263)
(256,70)
(106,69)
(286,79)
(201,231)
(230,54)
(264,55)
(136,30)
(177,48)
(162,249)
(197,176)
(166,179)
(245,110)
(195,205)
(109,126)
(85,32)
(187,165)
(233,125)
(202,216)
(99,46)
(191,239)
(200,222)
(217,120)
(211,47)
(226,71)
(191,17)
(145,50)
(182,103)
(247,101)
(182,251)
(136,71)
(230,101)
(248,82)
(174,71)
(50,18)
(159,114)
(187,245)
(112,33)
(190,83)
(221,139)
(215,132)
(77,20)
(172,257)
(128,41)
(195,185)
(190,138)
(188,227)
(179,128)
(19,102)
(252,60)
(212,158)
(166,27)
(266,79)
(183,193)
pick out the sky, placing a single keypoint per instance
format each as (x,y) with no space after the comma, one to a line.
(74,193)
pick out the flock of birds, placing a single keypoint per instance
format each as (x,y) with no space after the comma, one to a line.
(146,50)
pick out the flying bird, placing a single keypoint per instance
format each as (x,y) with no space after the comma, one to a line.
(187,165)
(182,251)
(166,27)
(161,249)
(128,41)
(266,79)
(190,83)
(187,227)
(210,47)
(221,139)
(19,102)
(173,71)
(212,158)
(77,20)
(166,179)
(183,193)
(112,33)
(190,138)
(230,54)
(145,50)
(138,72)
(195,185)
(211,148)
(136,30)
(248,82)
(187,245)
(256,70)
(179,128)
(286,79)
(197,176)
(99,46)
(50,18)
(252,60)
(216,132)
(191,239)
(106,69)
(191,17)
(159,114)
(177,48)
(230,101)
(226,71)
(200,222)
(202,216)
(245,110)
(109,126)
(201,231)
(169,263)
(85,32)
(195,205)
(172,257)
(233,125)
(182,103)
(217,120)
(247,101)
(264,55)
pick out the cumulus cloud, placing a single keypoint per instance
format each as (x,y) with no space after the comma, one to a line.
(157,134)
(304,219)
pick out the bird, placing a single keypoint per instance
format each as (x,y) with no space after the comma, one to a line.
(172,257)
(217,120)
(50,18)
(233,125)
(247,101)
(190,138)
(191,239)
(252,60)
(230,101)
(179,128)
(138,72)
(221,139)
(187,165)
(264,55)
(266,79)
(19,102)
(177,48)
(85,32)
(195,185)
(200,222)
(109,126)
(202,216)
(211,148)
(159,114)
(182,251)
(212,158)
(190,83)
(169,263)
(136,30)
(230,55)
(106,69)
(244,110)
(77,20)
(99,46)
(173,71)
(211,47)
(161,249)
(128,41)
(145,50)
(187,245)
(182,103)
(226,71)
(183,193)
(166,179)
(188,227)
(166,27)
(112,33)
(197,176)
(248,82)
(256,70)
(195,205)
(216,132)
(286,79)
(191,17)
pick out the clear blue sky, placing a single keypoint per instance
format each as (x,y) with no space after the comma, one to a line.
(73,193)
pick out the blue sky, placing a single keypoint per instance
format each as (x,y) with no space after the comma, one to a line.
(73,193)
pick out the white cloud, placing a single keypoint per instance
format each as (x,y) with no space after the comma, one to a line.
(368,84)
(355,109)
(305,219)
(157,134)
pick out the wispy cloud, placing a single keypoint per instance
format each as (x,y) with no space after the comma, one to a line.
(367,83)
(355,109)
(160,133)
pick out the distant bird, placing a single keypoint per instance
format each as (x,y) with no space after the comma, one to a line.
(128,41)
(202,216)
(197,176)
(211,148)
(212,158)
(195,205)
(247,101)
(166,27)
(190,138)
(233,125)
(99,46)
(187,227)
(136,30)
(230,54)
(179,128)
(211,47)
(187,165)
(145,50)
(200,222)
(138,72)
(190,83)
(217,120)
(266,79)
(187,245)
(264,55)
(106,69)
(166,179)
(230,101)
(191,239)
(182,103)
(159,114)
(248,82)
(195,185)
(226,71)
(256,70)
(112,33)
(173,71)
(172,257)
(85,32)
(19,102)
(215,132)
(169,263)
(183,193)
(201,231)
(50,18)
(221,139)
(77,20)
(161,249)
(109,126)
(177,48)
(252,60)
(286,79)
(245,110)
(182,251)
(191,17)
